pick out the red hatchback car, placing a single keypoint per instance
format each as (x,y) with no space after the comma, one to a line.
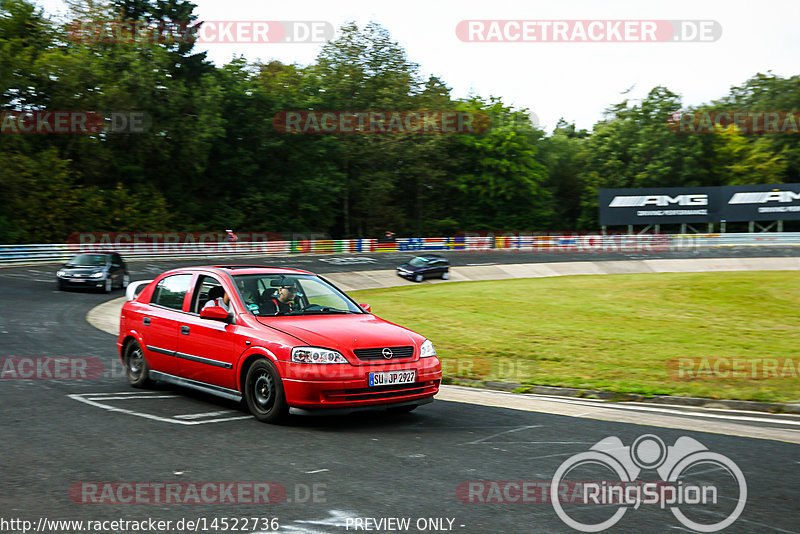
(281,340)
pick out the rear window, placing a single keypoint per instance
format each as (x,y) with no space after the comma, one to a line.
(171,291)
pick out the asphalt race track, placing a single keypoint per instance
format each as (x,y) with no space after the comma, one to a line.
(444,468)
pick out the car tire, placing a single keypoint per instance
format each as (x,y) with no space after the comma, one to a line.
(60,286)
(126,280)
(445,275)
(418,278)
(263,393)
(107,286)
(136,369)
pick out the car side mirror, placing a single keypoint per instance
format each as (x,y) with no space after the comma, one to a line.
(367,307)
(217,313)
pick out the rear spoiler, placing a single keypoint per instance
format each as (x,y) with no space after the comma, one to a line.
(134,288)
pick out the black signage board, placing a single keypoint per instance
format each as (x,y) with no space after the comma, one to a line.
(764,202)
(659,205)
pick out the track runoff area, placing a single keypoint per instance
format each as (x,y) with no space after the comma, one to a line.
(89,450)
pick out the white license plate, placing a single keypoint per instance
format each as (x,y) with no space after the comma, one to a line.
(392,377)
(78,280)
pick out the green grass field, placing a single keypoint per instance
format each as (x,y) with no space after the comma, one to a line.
(640,333)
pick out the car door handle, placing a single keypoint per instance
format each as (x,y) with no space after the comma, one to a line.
(146,320)
(185,330)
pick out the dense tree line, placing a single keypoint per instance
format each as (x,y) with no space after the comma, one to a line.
(212,158)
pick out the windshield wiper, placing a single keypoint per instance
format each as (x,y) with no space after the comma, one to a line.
(326,310)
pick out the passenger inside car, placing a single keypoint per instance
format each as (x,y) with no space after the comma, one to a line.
(218,297)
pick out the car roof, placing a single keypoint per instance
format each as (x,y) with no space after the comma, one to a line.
(243,269)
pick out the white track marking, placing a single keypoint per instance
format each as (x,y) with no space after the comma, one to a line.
(484,440)
(87,398)
(136,397)
(191,416)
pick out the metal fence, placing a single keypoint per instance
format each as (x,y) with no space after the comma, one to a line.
(588,243)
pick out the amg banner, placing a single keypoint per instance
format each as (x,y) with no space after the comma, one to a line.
(659,205)
(764,202)
(676,205)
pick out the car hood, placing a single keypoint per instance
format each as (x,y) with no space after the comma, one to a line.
(344,332)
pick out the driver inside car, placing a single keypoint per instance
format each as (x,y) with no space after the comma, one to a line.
(284,300)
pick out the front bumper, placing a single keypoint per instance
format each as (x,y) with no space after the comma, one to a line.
(352,409)
(82,282)
(347,386)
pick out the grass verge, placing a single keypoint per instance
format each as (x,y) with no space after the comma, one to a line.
(733,335)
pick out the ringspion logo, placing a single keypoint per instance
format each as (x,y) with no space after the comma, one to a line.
(676,465)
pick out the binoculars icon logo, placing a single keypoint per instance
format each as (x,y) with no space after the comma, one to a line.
(648,452)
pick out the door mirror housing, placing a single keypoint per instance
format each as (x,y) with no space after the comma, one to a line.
(367,307)
(217,313)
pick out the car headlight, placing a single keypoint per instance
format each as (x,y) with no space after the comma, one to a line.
(61,273)
(98,275)
(427,350)
(316,355)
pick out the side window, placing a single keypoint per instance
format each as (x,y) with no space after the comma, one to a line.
(202,292)
(171,291)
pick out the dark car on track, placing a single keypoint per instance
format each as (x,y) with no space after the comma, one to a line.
(279,340)
(103,271)
(425,266)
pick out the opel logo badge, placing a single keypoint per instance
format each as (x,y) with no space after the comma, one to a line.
(387,353)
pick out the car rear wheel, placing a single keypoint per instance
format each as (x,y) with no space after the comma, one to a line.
(418,278)
(136,366)
(126,280)
(263,393)
(445,275)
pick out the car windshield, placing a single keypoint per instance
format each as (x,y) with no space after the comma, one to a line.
(87,260)
(262,295)
(419,262)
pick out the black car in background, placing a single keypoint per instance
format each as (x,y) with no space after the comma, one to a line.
(425,266)
(103,271)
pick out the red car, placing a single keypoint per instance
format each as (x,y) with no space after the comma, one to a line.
(281,340)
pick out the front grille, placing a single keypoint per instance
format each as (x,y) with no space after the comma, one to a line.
(398,353)
(381,392)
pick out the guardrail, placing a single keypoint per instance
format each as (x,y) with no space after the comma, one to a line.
(58,253)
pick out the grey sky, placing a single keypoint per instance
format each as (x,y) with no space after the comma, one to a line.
(576,80)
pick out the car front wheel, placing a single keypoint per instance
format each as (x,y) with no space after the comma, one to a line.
(263,393)
(136,366)
(107,286)
(418,278)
